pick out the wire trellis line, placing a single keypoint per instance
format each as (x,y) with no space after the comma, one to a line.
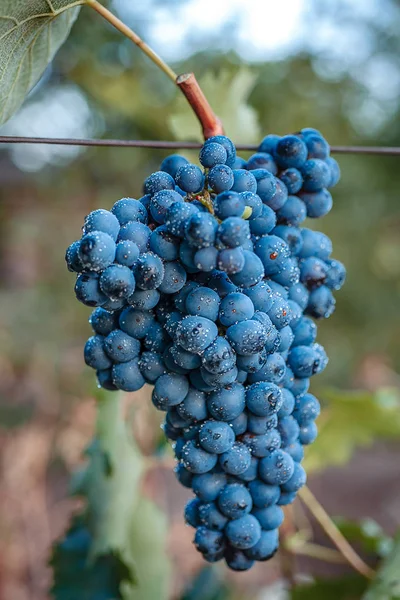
(168,145)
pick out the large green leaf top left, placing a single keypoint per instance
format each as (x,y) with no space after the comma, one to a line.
(31,32)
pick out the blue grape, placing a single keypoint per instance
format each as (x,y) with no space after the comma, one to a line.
(292,237)
(286,338)
(297,480)
(273,370)
(307,408)
(266,546)
(261,445)
(178,216)
(102,220)
(299,294)
(218,357)
(316,145)
(239,424)
(186,256)
(308,433)
(171,389)
(208,541)
(218,380)
(151,366)
(95,354)
(244,532)
(229,204)
(172,163)
(304,332)
(280,313)
(251,273)
(234,501)
(200,230)
(87,290)
(190,178)
(235,307)
(96,251)
(290,151)
(336,274)
(221,283)
(276,468)
(269,143)
(286,498)
(117,282)
(216,437)
(205,259)
(174,278)
(103,321)
(136,323)
(128,209)
(240,163)
(296,451)
(203,302)
(227,144)
(233,232)
(293,180)
(127,253)
(212,154)
(247,337)
(315,244)
(321,303)
(306,361)
(266,184)
(184,476)
(262,160)
(316,175)
(220,178)
(144,299)
(196,460)
(211,517)
(72,259)
(260,425)
(263,398)
(270,517)
(335,171)
(104,379)
(195,334)
(208,486)
(254,202)
(288,429)
(231,260)
(136,232)
(236,460)
(237,560)
(121,347)
(273,252)
(192,512)
(183,358)
(251,363)
(194,406)
(160,203)
(289,275)
(261,296)
(158,181)
(264,223)
(243,181)
(198,382)
(149,271)
(127,376)
(318,204)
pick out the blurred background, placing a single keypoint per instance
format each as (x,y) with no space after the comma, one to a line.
(266,68)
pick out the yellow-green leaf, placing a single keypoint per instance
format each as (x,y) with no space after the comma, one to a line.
(350,420)
(31,32)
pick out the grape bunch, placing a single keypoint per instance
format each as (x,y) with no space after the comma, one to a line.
(207,288)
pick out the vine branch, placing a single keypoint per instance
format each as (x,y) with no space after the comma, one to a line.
(186,82)
(130,34)
(320,514)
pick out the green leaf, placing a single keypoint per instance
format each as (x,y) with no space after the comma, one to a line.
(110,482)
(386,585)
(228,95)
(31,32)
(367,533)
(351,420)
(78,578)
(147,543)
(342,588)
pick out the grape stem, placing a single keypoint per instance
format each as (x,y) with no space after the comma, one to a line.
(187,82)
(320,514)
